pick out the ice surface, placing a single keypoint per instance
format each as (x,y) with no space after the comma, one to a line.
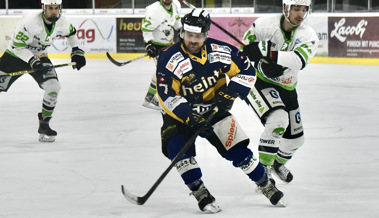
(106,139)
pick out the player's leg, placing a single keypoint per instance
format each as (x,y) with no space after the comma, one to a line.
(267,102)
(151,98)
(50,84)
(174,136)
(10,64)
(292,140)
(232,143)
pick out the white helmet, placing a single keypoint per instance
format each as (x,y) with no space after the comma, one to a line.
(52,2)
(289,4)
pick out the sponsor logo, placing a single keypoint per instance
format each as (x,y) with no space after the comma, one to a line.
(223,48)
(174,60)
(231,134)
(219,57)
(340,31)
(184,67)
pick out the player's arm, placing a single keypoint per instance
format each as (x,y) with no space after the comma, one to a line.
(298,58)
(168,87)
(77,54)
(241,73)
(22,38)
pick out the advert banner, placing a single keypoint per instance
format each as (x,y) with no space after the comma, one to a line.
(129,35)
(237,26)
(353,37)
(95,35)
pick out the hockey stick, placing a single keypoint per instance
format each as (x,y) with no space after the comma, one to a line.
(216,24)
(141,200)
(123,63)
(32,71)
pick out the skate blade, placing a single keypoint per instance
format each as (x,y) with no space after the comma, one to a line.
(45,138)
(211,208)
(281,203)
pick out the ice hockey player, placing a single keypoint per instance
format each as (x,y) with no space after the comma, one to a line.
(191,80)
(28,49)
(280,46)
(162,19)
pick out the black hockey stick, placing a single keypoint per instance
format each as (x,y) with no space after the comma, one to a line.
(216,24)
(141,200)
(123,63)
(32,71)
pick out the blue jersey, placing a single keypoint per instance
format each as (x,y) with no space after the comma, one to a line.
(186,82)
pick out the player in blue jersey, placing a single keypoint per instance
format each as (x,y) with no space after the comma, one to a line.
(191,80)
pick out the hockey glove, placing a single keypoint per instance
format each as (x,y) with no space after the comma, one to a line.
(257,50)
(271,70)
(224,99)
(36,65)
(77,56)
(152,51)
(195,122)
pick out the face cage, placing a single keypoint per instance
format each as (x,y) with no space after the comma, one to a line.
(49,18)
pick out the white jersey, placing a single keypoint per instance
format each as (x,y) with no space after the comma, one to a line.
(293,54)
(160,23)
(32,38)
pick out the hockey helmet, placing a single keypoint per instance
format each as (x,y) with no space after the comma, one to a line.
(287,4)
(52,2)
(197,21)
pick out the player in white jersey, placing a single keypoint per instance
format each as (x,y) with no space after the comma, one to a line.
(161,19)
(28,49)
(280,46)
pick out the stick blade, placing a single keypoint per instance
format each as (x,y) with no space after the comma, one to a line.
(132,197)
(113,60)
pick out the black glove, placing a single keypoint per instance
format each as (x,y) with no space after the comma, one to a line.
(271,70)
(257,50)
(77,56)
(36,65)
(152,51)
(224,99)
(195,122)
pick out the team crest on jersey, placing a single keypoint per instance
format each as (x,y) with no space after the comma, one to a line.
(219,57)
(174,60)
(222,48)
(183,67)
(190,78)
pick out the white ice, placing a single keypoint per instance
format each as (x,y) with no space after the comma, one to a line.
(107,139)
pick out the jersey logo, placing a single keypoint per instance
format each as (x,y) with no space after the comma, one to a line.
(184,67)
(221,48)
(219,57)
(174,60)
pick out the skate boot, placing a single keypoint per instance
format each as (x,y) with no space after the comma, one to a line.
(282,172)
(268,189)
(151,101)
(268,170)
(207,203)
(46,133)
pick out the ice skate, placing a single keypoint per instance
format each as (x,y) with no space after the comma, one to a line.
(207,203)
(269,190)
(268,170)
(46,133)
(282,172)
(151,101)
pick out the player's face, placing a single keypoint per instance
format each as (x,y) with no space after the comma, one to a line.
(166,2)
(52,11)
(193,41)
(297,14)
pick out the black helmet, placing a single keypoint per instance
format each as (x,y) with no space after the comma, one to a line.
(197,21)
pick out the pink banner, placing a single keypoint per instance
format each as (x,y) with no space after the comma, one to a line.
(237,26)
